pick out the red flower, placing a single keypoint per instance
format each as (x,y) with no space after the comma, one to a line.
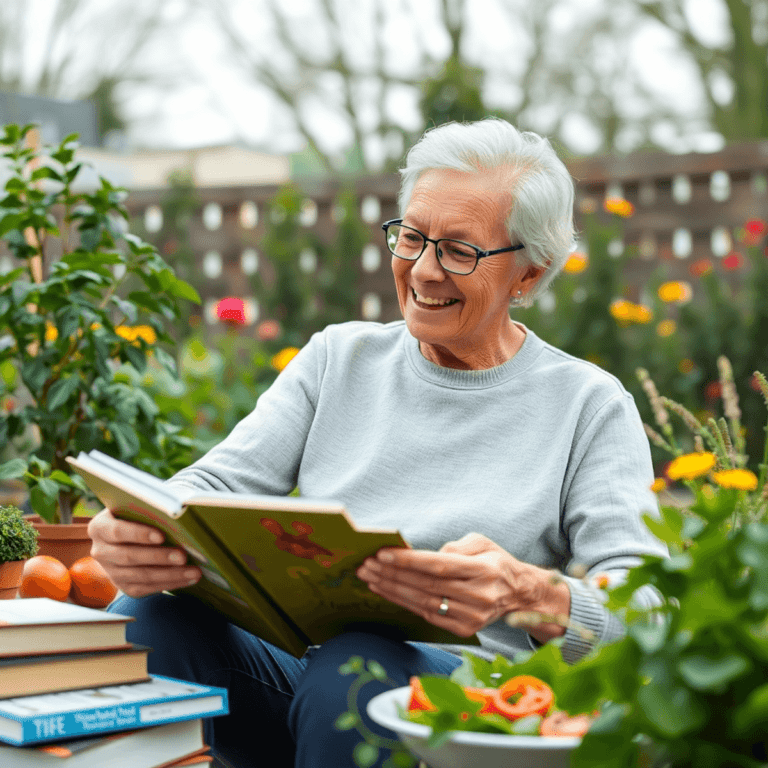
(713,390)
(700,268)
(753,382)
(734,260)
(231,310)
(753,231)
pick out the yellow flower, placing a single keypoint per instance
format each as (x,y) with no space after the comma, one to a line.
(619,206)
(144,332)
(686,365)
(51,332)
(666,328)
(577,262)
(627,312)
(642,314)
(283,357)
(658,485)
(675,290)
(690,466)
(742,479)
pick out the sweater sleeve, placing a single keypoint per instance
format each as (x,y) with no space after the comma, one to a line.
(263,452)
(605,495)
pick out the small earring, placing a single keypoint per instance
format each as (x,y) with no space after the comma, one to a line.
(517,300)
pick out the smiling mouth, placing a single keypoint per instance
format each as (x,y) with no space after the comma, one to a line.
(425,301)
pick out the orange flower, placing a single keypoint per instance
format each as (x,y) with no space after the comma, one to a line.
(619,206)
(734,260)
(676,290)
(577,262)
(686,365)
(283,357)
(701,267)
(658,485)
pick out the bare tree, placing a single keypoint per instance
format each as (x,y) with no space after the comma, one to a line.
(87,49)
(733,74)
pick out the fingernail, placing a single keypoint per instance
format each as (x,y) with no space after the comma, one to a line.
(191,575)
(156,537)
(177,558)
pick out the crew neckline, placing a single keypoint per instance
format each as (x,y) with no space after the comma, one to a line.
(473,379)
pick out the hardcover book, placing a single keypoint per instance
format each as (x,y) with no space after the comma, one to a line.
(28,675)
(282,568)
(90,711)
(37,625)
(157,747)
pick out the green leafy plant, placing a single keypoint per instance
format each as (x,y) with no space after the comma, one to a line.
(87,305)
(686,686)
(18,538)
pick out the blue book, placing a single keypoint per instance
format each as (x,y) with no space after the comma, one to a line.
(92,711)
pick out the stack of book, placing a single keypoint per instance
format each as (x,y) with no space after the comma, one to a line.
(75,694)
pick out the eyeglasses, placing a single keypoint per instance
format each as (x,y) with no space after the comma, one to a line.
(454,256)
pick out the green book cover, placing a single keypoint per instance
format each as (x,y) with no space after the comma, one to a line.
(282,568)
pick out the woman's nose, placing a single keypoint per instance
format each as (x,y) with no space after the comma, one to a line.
(427,266)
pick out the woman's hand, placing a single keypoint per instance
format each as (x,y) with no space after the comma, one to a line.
(481,583)
(134,557)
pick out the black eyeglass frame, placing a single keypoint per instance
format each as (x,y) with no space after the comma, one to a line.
(481,254)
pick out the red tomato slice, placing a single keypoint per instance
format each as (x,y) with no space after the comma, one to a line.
(561,724)
(419,700)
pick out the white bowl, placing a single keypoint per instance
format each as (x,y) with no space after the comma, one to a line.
(466,749)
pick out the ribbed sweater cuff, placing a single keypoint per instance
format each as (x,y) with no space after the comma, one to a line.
(587,613)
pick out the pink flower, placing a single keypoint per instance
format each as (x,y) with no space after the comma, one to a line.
(734,260)
(268,330)
(231,310)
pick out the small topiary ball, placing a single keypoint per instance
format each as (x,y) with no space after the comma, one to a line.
(18,537)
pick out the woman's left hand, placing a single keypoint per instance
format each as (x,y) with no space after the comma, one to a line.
(479,581)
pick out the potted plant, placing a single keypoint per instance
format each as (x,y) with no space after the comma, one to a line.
(82,318)
(18,542)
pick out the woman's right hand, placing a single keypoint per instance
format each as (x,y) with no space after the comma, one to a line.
(135,558)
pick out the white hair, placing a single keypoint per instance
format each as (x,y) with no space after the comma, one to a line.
(542,190)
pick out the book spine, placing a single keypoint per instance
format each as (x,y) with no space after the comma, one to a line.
(125,715)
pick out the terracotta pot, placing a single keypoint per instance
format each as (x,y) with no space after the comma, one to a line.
(66,543)
(10,578)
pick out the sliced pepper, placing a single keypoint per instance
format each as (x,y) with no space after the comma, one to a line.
(484,695)
(531,697)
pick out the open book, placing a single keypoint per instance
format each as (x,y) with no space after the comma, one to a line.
(282,568)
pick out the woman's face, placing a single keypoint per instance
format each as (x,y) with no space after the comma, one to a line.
(473,330)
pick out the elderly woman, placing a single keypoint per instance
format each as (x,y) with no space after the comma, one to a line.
(503,461)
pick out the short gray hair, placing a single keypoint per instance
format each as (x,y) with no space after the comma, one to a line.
(542,193)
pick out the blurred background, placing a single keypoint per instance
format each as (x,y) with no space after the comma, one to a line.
(259,141)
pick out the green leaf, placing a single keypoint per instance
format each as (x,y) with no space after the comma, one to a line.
(184,290)
(649,636)
(49,487)
(125,436)
(753,711)
(753,548)
(670,708)
(63,478)
(346,721)
(42,504)
(365,755)
(704,673)
(377,670)
(61,391)
(13,469)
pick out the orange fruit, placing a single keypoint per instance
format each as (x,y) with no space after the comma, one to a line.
(90,584)
(45,576)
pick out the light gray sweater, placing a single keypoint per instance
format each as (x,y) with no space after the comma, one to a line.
(545,455)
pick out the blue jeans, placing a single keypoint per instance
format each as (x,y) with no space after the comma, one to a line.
(282,709)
